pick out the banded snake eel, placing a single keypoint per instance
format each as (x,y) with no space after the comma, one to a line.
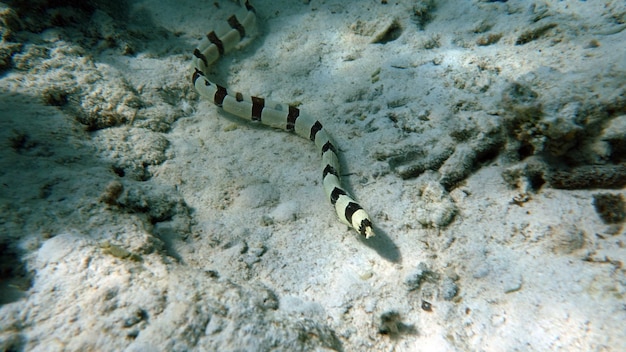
(286,117)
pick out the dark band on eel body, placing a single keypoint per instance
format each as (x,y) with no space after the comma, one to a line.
(212,37)
(257,108)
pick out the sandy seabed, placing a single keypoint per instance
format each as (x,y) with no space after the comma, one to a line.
(487,140)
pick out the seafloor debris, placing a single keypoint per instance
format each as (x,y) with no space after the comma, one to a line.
(534,34)
(611,207)
(391,324)
(488,39)
(391,32)
(565,238)
(589,176)
(422,273)
(423,12)
(119,252)
(111,192)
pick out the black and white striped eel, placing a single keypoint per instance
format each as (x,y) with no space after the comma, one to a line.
(276,115)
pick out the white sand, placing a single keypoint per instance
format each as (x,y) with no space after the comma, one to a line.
(222,238)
